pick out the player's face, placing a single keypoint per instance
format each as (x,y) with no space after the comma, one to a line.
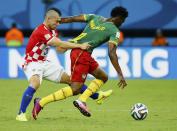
(53,22)
(119,20)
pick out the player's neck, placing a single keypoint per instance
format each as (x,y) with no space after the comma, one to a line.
(110,20)
(46,25)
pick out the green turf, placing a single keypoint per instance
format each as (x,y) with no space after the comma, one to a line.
(160,96)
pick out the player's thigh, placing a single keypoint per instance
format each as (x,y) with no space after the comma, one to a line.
(65,78)
(53,72)
(79,72)
(100,74)
(35,81)
(78,77)
(96,71)
(34,73)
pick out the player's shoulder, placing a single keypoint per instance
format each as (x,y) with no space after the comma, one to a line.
(112,27)
(97,16)
(41,28)
(92,16)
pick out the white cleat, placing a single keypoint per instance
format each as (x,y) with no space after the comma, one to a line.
(21,117)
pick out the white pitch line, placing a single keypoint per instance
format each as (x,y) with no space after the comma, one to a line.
(95,110)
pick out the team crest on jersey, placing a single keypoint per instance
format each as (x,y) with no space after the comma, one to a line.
(47,36)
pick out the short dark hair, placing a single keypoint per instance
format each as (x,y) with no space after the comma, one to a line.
(119,11)
(55,9)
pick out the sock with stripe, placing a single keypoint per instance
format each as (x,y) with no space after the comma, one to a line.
(93,96)
(92,88)
(56,96)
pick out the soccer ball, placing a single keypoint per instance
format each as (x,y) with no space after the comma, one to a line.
(139,111)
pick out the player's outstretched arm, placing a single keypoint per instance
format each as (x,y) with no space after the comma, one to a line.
(67,45)
(60,49)
(79,18)
(114,60)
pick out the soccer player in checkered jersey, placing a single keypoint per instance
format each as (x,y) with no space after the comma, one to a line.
(97,31)
(36,66)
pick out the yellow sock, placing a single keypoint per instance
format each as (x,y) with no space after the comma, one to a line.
(92,88)
(58,95)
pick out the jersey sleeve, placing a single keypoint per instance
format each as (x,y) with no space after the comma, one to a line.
(89,17)
(44,36)
(114,38)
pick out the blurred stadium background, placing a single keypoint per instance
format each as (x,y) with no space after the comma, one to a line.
(151,71)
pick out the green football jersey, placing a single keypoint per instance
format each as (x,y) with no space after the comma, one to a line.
(97,32)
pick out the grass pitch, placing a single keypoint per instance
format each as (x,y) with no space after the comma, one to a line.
(160,96)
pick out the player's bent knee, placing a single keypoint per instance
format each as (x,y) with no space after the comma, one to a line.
(105,79)
(35,81)
(65,78)
(76,91)
(76,87)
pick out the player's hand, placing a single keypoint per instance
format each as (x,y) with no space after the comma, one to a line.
(85,46)
(122,83)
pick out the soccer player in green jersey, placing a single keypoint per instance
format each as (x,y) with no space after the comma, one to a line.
(97,31)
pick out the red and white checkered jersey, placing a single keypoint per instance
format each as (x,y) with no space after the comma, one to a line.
(37,48)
